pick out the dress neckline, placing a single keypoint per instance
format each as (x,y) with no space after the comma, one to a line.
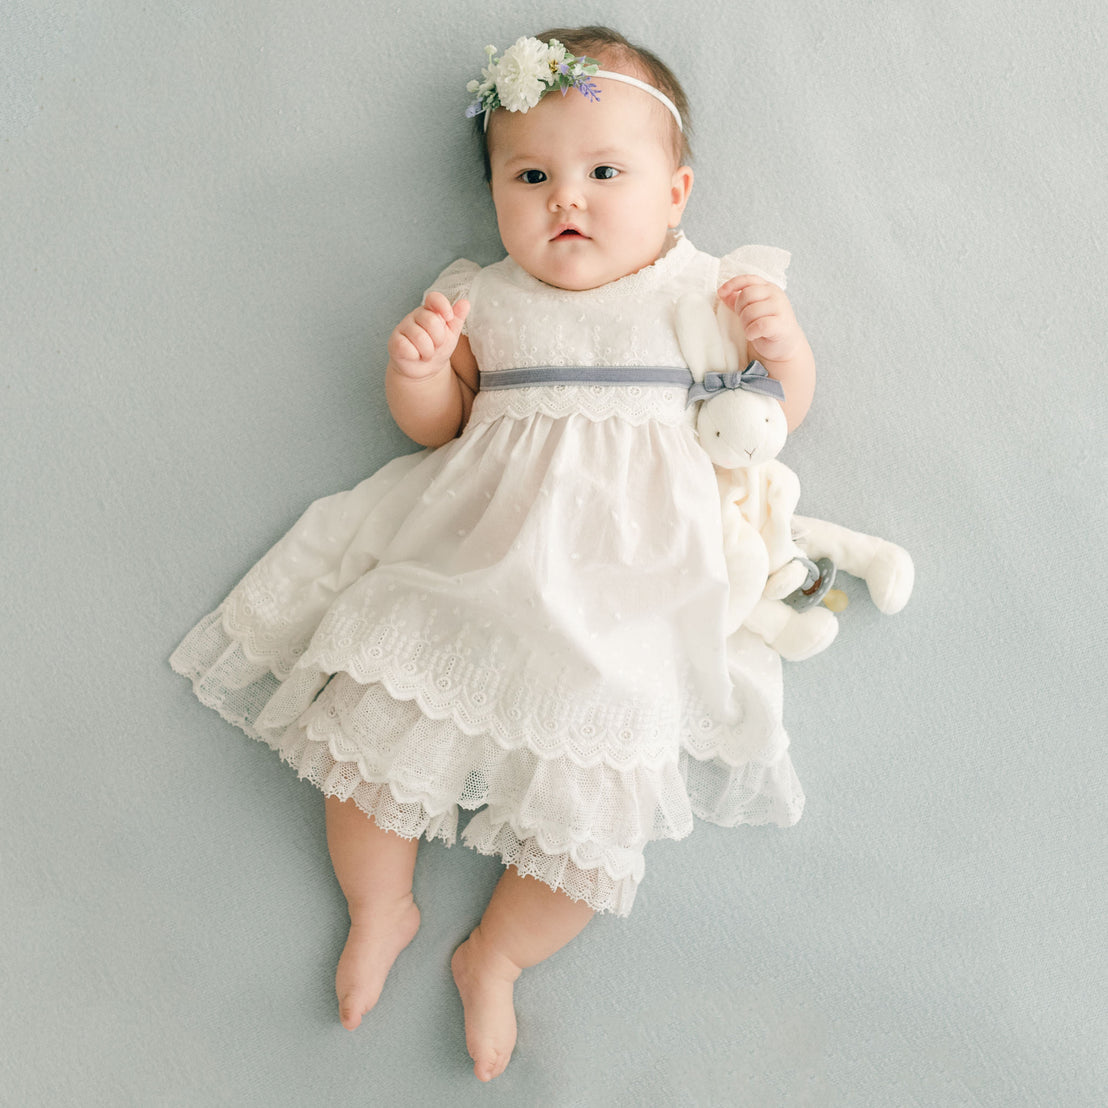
(675,256)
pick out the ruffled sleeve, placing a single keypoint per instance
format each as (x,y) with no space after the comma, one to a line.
(767,262)
(454,282)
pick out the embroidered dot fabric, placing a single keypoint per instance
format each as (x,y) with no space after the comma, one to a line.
(528,622)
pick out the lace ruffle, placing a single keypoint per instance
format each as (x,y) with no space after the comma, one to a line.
(768,262)
(606,880)
(406,816)
(579,879)
(578,828)
(548,817)
(585,875)
(509,694)
(555,799)
(245,691)
(752,793)
(517,696)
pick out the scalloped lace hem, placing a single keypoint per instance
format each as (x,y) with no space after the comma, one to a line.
(246,691)
(499,697)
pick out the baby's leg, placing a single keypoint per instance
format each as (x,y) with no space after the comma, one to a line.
(374,869)
(526,921)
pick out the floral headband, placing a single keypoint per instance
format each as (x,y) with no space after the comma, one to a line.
(529,69)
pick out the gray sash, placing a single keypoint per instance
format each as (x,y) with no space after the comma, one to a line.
(631,375)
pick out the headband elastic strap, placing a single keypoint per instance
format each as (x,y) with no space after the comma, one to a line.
(656,93)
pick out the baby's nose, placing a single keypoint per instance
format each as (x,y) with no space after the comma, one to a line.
(566,195)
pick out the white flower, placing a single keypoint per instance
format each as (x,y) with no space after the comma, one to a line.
(526,72)
(523,73)
(481,88)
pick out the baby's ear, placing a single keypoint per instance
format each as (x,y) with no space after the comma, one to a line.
(680,187)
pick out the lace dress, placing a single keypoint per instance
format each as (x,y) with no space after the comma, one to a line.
(527,621)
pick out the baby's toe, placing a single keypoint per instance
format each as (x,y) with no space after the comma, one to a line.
(491,1063)
(350,1012)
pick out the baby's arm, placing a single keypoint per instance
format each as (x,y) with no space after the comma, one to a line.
(774,337)
(432,376)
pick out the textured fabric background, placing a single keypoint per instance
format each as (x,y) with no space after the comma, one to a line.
(211,216)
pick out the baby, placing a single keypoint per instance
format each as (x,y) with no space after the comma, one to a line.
(528,620)
(586,192)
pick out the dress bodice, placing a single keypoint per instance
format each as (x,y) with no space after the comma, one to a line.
(518,322)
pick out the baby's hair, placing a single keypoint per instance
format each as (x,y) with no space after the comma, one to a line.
(594,42)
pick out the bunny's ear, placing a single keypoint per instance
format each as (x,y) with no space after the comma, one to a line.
(732,338)
(698,334)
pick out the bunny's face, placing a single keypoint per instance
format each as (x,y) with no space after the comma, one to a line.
(740,429)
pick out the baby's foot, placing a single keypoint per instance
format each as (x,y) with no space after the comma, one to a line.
(485,979)
(377,936)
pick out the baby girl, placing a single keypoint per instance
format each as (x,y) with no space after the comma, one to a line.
(527,619)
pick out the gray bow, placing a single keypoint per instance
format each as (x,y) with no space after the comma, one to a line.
(755,378)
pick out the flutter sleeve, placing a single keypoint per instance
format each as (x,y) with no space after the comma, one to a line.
(454,282)
(767,262)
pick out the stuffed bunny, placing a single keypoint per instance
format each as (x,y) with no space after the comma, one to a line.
(741,426)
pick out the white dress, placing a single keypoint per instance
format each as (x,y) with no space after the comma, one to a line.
(528,620)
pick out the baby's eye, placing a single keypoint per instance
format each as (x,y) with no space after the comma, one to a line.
(532,176)
(605,172)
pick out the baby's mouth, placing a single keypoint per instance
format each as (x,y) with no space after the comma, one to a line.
(565,233)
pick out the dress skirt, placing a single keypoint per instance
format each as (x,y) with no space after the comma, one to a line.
(528,623)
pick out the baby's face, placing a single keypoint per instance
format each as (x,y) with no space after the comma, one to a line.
(585,191)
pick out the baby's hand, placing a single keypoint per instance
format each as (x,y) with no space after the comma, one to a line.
(423,340)
(767,317)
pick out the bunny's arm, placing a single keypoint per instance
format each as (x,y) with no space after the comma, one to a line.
(782,492)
